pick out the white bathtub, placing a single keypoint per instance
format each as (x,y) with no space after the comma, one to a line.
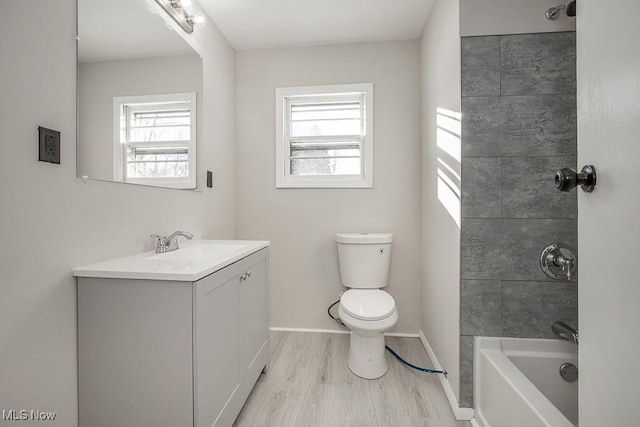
(517,383)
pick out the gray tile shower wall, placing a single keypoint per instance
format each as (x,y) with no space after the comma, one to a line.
(509,249)
(480,66)
(538,64)
(529,189)
(519,125)
(518,128)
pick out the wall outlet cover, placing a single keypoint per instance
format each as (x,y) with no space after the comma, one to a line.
(49,145)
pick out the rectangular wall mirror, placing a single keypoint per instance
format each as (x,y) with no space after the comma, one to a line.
(139,96)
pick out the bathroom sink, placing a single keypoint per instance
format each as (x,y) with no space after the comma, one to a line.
(206,249)
(193,261)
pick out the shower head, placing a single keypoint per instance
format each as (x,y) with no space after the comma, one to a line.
(569,9)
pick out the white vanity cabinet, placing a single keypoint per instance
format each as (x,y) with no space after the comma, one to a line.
(170,352)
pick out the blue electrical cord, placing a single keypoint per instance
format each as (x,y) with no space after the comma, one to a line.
(429,371)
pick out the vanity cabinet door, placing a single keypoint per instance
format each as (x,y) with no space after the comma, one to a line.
(134,353)
(254,344)
(216,348)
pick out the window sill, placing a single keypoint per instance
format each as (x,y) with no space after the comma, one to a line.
(358,182)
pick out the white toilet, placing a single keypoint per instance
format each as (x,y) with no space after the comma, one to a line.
(365,308)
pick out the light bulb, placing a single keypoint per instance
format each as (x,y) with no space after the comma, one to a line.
(195,19)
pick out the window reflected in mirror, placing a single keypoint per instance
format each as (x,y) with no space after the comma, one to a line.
(156,142)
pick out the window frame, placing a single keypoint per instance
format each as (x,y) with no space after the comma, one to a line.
(346,92)
(120,134)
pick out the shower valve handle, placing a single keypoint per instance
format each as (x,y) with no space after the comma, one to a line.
(558,261)
(567,265)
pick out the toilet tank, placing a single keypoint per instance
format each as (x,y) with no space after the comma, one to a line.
(364,259)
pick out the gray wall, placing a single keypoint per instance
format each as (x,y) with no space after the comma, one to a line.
(440,213)
(301,223)
(518,128)
(51,222)
(489,17)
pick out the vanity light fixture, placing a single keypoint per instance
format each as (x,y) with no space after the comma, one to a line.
(186,5)
(177,9)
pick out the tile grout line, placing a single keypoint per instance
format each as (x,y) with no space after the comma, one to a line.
(500,68)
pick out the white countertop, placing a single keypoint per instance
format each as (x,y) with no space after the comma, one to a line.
(194,260)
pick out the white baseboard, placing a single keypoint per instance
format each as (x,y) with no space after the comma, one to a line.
(465,414)
(338,331)
(316,331)
(400,335)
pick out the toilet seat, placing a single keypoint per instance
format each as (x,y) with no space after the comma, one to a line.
(368,304)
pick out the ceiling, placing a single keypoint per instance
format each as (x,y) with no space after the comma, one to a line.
(257,24)
(124,29)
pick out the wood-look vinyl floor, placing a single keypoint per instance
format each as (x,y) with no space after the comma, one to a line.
(308,383)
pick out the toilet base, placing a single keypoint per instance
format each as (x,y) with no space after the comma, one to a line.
(366,356)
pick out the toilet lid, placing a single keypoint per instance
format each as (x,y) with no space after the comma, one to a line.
(368,304)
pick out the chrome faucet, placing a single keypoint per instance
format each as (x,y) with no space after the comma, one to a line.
(565,331)
(170,242)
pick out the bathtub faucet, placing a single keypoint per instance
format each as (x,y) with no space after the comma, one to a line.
(565,331)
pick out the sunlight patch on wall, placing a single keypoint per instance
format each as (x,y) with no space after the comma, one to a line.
(449,154)
(448,132)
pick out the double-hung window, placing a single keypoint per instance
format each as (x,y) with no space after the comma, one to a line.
(155,140)
(324,136)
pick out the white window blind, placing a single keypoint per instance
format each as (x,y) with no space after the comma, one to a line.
(157,141)
(323,138)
